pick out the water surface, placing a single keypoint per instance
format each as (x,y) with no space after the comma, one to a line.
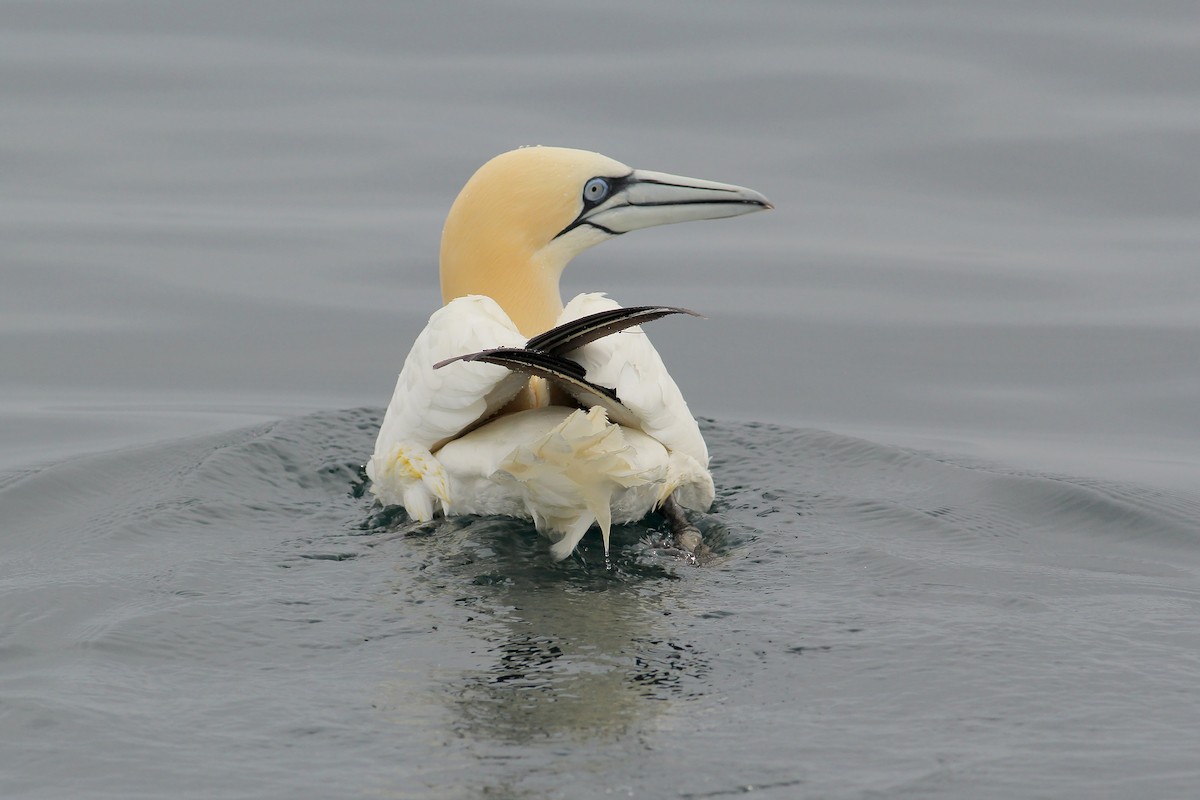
(228,615)
(950,385)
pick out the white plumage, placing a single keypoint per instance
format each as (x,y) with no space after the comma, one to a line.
(470,437)
(560,467)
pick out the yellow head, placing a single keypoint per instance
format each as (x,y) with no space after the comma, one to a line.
(525,214)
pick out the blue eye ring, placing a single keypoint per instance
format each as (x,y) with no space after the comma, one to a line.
(595,190)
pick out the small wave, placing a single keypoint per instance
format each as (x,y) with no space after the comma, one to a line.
(238,595)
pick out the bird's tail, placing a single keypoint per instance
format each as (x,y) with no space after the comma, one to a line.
(568,475)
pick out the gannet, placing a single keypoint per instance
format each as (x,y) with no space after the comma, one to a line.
(600,433)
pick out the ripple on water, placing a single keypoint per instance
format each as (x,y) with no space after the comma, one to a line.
(236,599)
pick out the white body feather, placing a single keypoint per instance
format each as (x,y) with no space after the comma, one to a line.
(563,468)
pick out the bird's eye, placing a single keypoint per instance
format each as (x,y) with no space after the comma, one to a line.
(595,190)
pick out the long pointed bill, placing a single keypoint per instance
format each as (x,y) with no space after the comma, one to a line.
(643,199)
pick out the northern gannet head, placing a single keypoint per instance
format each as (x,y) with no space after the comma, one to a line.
(523,215)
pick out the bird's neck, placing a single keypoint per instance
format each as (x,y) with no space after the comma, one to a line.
(525,286)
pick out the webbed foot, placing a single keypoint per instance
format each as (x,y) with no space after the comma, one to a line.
(686,537)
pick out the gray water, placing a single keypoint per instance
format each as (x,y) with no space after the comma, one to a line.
(950,385)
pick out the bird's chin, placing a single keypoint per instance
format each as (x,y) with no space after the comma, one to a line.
(563,248)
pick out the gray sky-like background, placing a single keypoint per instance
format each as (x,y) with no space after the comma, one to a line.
(986,223)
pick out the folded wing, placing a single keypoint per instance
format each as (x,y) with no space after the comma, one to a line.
(432,406)
(627,363)
(600,360)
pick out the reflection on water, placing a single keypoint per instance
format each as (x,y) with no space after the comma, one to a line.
(562,671)
(573,652)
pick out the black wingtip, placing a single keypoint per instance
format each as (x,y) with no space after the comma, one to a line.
(482,355)
(445,361)
(576,333)
(534,362)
